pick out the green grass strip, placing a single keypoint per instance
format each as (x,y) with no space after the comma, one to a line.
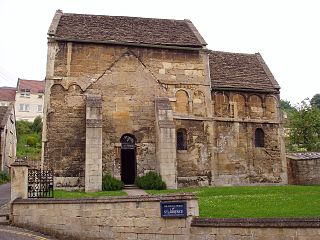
(255,202)
(82,194)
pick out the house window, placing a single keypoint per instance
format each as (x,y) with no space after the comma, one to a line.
(181,139)
(24,107)
(259,138)
(39,108)
(25,93)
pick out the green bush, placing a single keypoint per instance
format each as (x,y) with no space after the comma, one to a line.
(4,177)
(151,181)
(109,183)
(31,141)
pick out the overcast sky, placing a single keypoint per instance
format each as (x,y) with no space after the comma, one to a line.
(285,32)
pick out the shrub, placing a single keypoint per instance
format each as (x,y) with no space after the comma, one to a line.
(109,183)
(31,141)
(4,177)
(151,181)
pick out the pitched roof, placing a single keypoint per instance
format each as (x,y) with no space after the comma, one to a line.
(124,30)
(33,86)
(7,94)
(240,71)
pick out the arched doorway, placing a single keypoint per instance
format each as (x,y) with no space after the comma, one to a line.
(128,158)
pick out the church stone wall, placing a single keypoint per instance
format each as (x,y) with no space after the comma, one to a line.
(237,158)
(220,126)
(65,145)
(128,79)
(193,164)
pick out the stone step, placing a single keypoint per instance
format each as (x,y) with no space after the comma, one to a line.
(130,186)
(4,219)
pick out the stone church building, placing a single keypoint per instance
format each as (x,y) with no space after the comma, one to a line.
(128,95)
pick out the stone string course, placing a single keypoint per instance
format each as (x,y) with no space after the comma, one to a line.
(139,218)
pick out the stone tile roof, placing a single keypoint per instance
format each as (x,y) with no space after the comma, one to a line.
(240,71)
(121,30)
(33,86)
(7,94)
(304,155)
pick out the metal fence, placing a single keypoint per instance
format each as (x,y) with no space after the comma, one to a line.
(40,183)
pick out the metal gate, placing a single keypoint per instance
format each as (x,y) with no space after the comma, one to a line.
(40,183)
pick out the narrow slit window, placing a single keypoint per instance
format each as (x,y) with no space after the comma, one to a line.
(181,139)
(259,138)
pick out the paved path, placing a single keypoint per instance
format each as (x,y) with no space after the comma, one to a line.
(135,192)
(15,233)
(5,193)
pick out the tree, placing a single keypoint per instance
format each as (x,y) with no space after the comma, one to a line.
(305,128)
(286,105)
(37,125)
(315,100)
(287,110)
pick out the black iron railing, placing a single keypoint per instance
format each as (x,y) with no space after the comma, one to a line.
(40,183)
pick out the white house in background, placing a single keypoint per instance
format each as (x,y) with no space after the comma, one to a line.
(29,99)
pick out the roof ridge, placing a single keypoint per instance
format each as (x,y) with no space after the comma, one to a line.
(97,15)
(213,51)
(267,71)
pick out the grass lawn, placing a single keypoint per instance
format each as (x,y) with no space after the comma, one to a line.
(252,202)
(81,194)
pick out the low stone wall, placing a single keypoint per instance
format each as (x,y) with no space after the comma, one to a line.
(139,218)
(304,168)
(105,218)
(255,228)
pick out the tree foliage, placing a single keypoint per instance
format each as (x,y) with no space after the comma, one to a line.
(37,125)
(305,128)
(286,105)
(315,101)
(29,138)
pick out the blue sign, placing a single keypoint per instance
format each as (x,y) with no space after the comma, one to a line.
(173,209)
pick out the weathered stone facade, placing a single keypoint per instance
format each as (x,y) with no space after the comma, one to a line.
(163,97)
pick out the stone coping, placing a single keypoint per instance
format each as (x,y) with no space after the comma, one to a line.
(257,222)
(113,199)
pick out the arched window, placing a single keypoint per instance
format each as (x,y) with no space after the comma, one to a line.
(181,139)
(259,138)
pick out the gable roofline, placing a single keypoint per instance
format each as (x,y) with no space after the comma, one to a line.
(54,32)
(267,71)
(196,32)
(55,21)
